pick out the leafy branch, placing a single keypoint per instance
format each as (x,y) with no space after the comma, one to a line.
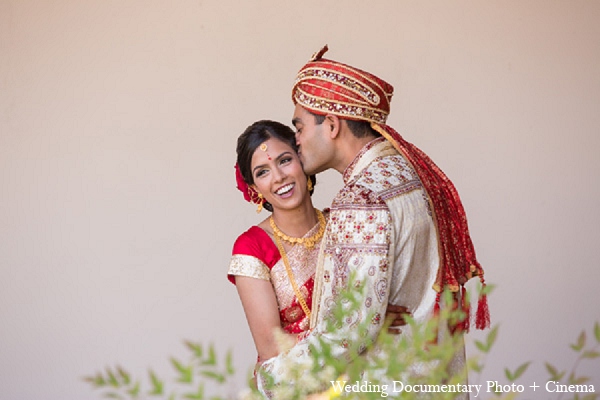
(421,347)
(584,351)
(191,376)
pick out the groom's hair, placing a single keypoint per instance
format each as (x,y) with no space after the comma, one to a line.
(359,129)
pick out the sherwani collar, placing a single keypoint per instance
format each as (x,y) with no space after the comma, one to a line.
(376,148)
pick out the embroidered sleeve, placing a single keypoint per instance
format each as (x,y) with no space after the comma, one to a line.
(253,255)
(243,265)
(357,243)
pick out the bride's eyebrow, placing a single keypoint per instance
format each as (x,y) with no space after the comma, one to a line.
(276,158)
(285,153)
(258,167)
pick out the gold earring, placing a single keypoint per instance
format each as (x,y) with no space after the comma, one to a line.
(259,203)
(309,184)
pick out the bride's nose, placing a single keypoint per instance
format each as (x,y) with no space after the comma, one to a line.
(278,175)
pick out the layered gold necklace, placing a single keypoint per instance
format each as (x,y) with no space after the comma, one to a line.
(308,242)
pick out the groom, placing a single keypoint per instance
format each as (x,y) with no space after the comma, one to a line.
(397,225)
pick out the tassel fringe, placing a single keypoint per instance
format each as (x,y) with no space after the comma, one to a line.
(482,320)
(458,262)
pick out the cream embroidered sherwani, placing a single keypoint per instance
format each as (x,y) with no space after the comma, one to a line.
(381,229)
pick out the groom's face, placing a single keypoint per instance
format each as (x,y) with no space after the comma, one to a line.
(315,146)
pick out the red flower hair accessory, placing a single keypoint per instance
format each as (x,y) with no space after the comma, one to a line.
(249,193)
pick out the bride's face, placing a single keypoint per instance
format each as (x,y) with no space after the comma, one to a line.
(278,174)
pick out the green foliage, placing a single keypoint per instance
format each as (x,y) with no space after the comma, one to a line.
(513,376)
(584,350)
(489,342)
(390,358)
(189,381)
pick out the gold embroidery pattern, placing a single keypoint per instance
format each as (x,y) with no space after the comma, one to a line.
(389,177)
(244,265)
(361,158)
(303,263)
(344,80)
(339,108)
(362,229)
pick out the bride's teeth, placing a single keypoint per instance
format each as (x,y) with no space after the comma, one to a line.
(285,189)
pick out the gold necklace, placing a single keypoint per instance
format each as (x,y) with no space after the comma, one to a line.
(308,242)
(290,275)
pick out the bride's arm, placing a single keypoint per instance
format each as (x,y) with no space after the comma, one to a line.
(262,313)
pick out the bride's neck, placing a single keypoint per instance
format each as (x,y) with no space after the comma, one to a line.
(296,222)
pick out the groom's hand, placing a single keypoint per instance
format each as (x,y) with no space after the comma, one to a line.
(394,315)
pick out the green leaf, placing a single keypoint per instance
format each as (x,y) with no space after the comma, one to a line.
(157,385)
(491,338)
(178,366)
(112,380)
(97,380)
(508,375)
(482,347)
(125,377)
(522,368)
(477,368)
(135,390)
(580,342)
(229,363)
(198,395)
(555,375)
(487,289)
(214,375)
(447,299)
(590,396)
(590,354)
(185,373)
(212,357)
(195,348)
(551,369)
(597,331)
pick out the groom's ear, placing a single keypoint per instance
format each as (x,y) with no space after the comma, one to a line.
(332,124)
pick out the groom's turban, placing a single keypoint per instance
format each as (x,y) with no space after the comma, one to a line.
(330,87)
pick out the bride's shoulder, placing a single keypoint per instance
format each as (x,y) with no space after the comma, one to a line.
(254,234)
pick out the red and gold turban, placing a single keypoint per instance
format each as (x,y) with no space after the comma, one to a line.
(330,87)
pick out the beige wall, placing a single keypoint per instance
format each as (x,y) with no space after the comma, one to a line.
(118,207)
